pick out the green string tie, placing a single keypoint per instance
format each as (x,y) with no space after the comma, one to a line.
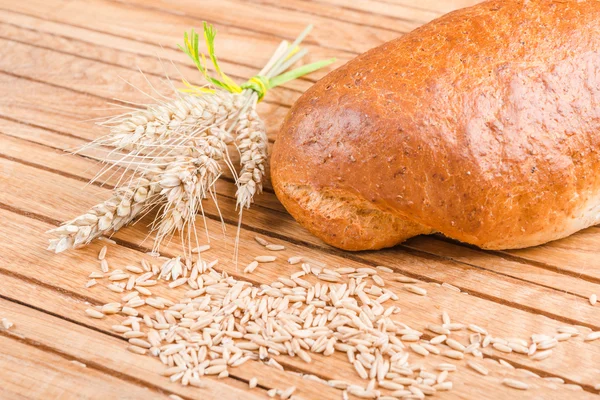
(259,84)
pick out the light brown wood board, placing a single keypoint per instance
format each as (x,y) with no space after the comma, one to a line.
(62,63)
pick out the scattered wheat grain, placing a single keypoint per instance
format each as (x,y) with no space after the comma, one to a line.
(478,367)
(261,241)
(541,355)
(502,347)
(265,259)
(201,249)
(251,267)
(286,394)
(116,288)
(515,384)
(102,253)
(454,354)
(295,260)
(417,348)
(136,349)
(6,323)
(104,265)
(94,313)
(90,283)
(253,382)
(416,290)
(454,344)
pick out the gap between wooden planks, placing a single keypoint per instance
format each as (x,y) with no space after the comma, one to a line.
(579,266)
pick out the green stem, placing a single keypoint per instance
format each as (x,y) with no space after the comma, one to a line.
(298,72)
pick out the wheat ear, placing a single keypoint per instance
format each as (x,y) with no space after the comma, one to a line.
(105,218)
(170,122)
(189,181)
(154,136)
(252,143)
(173,149)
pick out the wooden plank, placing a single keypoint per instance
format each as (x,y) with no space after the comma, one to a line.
(402,11)
(65,279)
(341,35)
(149,65)
(28,372)
(437,6)
(395,17)
(577,254)
(508,268)
(56,263)
(488,275)
(338,368)
(99,350)
(156,27)
(100,45)
(501,320)
(519,270)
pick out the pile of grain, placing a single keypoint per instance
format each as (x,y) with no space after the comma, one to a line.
(222,322)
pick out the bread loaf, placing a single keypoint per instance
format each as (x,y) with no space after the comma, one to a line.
(483,125)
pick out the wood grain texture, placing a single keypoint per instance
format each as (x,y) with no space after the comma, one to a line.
(30,372)
(63,62)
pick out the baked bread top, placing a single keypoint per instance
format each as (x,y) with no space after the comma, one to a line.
(483,125)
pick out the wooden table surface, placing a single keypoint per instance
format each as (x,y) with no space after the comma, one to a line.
(62,62)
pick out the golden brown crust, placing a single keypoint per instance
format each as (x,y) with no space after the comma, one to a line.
(483,125)
(345,220)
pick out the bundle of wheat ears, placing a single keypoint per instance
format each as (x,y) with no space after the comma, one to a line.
(171,154)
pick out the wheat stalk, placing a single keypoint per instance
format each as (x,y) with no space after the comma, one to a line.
(173,151)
